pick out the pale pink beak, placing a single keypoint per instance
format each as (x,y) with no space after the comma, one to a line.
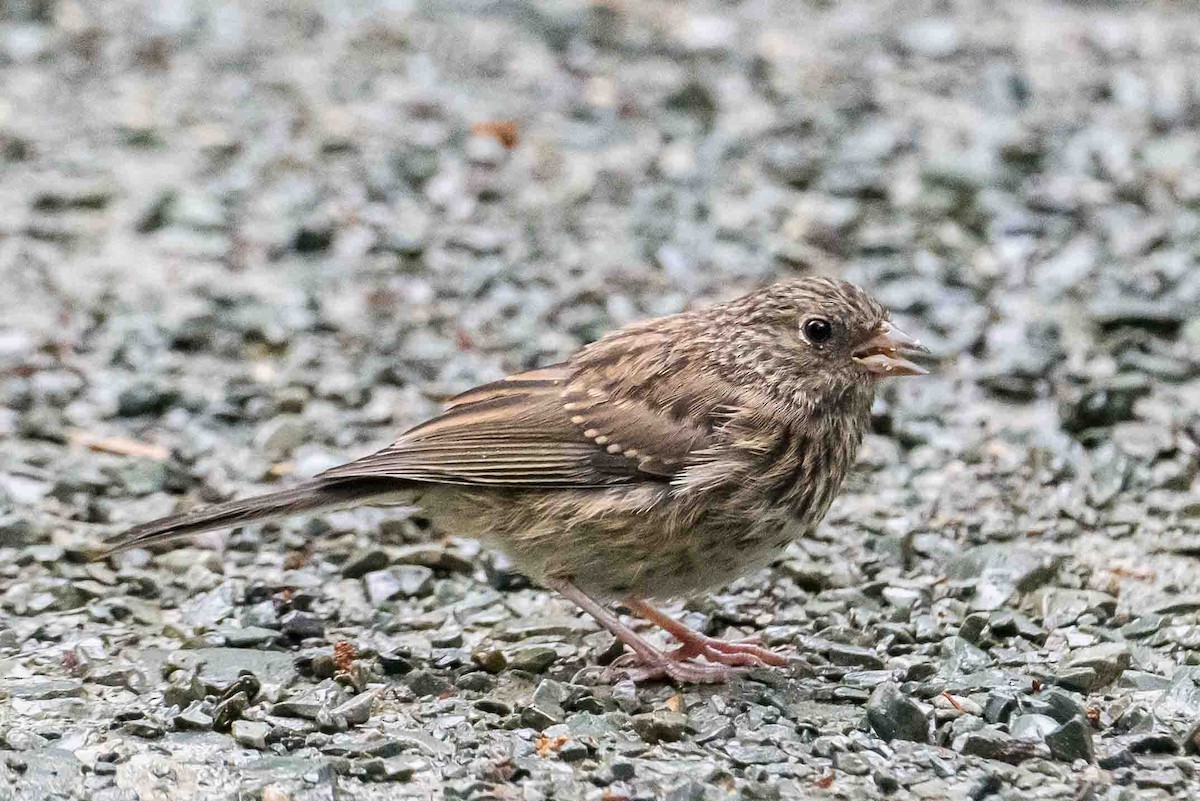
(883,354)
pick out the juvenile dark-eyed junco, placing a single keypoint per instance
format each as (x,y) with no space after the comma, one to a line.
(667,458)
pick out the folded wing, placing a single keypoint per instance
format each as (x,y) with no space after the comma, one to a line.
(554,427)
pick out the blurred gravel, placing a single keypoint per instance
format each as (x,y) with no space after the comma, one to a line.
(242,241)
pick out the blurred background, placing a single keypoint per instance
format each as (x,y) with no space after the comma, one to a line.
(244,241)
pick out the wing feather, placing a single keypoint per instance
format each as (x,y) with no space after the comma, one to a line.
(588,423)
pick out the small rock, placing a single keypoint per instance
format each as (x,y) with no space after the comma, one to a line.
(301,625)
(1072,740)
(426,682)
(1109,660)
(1062,607)
(402,768)
(851,764)
(248,636)
(145,397)
(1080,680)
(660,726)
(357,710)
(147,729)
(995,744)
(1032,727)
(546,707)
(309,703)
(183,688)
(895,716)
(282,435)
(493,660)
(850,655)
(1058,704)
(362,562)
(532,659)
(251,733)
(401,581)
(194,718)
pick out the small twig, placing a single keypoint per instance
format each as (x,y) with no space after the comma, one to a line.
(119,446)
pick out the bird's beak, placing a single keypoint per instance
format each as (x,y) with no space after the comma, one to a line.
(883,354)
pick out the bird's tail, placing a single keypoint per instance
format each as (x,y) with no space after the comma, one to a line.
(318,494)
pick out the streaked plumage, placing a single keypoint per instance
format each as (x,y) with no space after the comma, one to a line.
(666,458)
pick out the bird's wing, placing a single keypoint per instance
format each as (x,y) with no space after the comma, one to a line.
(567,425)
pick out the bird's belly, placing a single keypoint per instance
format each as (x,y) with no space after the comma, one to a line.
(647,558)
(708,557)
(634,548)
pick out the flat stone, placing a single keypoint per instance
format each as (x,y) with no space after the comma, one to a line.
(1032,727)
(1062,607)
(1071,741)
(1079,679)
(194,718)
(660,726)
(743,755)
(852,656)
(247,636)
(851,764)
(994,744)
(1059,704)
(1014,569)
(532,659)
(426,682)
(221,666)
(401,581)
(301,625)
(309,703)
(1109,660)
(895,716)
(251,733)
(1143,681)
(363,562)
(357,710)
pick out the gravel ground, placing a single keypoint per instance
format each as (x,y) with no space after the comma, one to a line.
(240,242)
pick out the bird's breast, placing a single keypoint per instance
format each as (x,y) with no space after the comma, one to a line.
(809,459)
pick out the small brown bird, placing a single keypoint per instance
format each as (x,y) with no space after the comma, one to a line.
(667,458)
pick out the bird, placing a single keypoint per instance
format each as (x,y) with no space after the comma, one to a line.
(663,460)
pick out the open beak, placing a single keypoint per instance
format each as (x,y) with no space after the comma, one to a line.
(883,354)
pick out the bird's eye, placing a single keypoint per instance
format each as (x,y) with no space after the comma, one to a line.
(817,330)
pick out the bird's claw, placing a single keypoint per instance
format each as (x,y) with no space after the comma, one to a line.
(721,660)
(745,652)
(685,671)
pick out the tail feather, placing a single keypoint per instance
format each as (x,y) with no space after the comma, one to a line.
(308,497)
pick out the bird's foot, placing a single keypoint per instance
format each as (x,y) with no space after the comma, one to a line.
(743,653)
(669,666)
(740,653)
(702,660)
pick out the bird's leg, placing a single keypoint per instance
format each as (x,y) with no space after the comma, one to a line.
(693,643)
(653,662)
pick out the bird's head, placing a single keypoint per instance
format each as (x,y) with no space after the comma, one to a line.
(819,331)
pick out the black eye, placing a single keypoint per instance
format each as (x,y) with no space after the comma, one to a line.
(817,330)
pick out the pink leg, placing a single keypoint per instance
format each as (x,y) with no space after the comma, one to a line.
(741,652)
(654,664)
